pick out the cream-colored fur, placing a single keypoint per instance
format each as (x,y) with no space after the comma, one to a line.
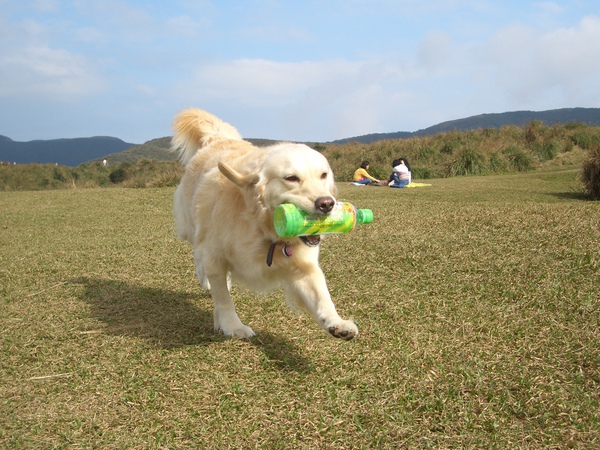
(224,207)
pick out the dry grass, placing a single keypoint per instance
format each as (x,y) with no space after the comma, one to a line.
(510,149)
(477,301)
(590,174)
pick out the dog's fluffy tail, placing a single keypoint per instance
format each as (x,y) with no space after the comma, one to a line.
(194,129)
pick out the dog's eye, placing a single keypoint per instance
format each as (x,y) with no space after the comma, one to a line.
(323,175)
(292,179)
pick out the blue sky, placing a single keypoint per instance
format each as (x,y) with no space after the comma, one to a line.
(288,70)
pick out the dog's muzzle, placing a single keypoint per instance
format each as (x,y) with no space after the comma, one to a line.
(312,240)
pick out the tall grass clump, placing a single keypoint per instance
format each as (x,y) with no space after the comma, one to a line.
(546,151)
(497,163)
(469,162)
(535,132)
(519,160)
(37,177)
(585,138)
(425,173)
(149,173)
(590,175)
(119,174)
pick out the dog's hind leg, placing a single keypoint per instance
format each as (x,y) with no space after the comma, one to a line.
(225,317)
(200,271)
(311,294)
(200,268)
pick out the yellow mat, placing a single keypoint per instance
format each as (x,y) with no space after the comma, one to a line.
(415,185)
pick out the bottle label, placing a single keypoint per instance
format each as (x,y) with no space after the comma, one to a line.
(290,222)
(341,220)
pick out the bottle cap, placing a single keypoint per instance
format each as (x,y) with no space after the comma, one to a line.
(364,216)
(287,220)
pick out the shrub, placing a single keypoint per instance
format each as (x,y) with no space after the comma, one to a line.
(424,173)
(574,125)
(585,139)
(590,174)
(64,174)
(336,154)
(469,162)
(379,172)
(497,163)
(547,151)
(518,159)
(118,175)
(425,154)
(534,131)
(170,177)
(59,174)
(448,147)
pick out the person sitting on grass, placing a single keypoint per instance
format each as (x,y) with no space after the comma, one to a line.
(362,177)
(401,175)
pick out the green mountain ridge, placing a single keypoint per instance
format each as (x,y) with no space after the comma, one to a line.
(67,152)
(590,116)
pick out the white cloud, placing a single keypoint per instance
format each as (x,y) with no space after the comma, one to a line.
(305,99)
(549,7)
(185,25)
(576,48)
(436,50)
(119,18)
(42,71)
(277,33)
(557,67)
(46,5)
(518,67)
(264,83)
(90,35)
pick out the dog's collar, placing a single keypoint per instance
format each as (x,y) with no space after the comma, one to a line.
(313,241)
(286,250)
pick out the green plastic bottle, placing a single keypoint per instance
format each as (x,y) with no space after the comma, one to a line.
(292,222)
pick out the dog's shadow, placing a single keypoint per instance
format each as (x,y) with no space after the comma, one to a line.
(170,319)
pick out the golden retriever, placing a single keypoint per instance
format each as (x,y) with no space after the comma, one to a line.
(224,207)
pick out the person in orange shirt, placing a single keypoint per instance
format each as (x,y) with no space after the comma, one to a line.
(362,177)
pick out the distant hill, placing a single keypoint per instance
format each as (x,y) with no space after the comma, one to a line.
(590,116)
(158,150)
(68,152)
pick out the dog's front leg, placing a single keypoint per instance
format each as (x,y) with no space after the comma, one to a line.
(224,316)
(310,293)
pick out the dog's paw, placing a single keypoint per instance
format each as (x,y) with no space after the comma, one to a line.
(242,332)
(346,330)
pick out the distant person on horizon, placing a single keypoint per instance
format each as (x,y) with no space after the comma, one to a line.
(401,175)
(362,177)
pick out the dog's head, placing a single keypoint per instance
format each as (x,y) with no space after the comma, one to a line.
(288,173)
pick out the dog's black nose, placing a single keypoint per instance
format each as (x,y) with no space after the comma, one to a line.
(324,204)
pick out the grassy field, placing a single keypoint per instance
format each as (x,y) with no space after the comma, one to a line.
(477,301)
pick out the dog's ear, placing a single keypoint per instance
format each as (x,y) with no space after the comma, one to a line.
(242,180)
